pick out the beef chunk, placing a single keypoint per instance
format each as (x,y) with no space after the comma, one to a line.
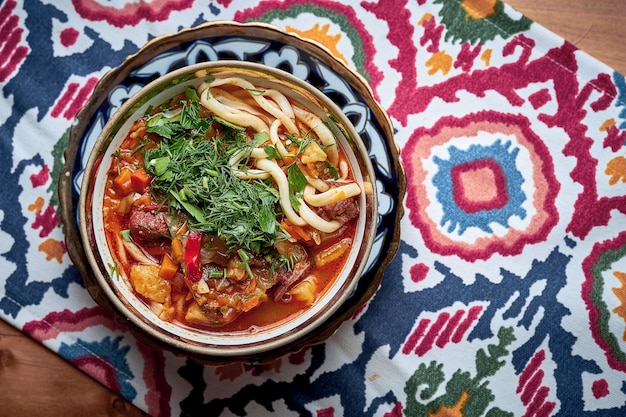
(342,211)
(147,226)
(286,279)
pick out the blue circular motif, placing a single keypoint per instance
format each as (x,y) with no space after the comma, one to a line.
(502,153)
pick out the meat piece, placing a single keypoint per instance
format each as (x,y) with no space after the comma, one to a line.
(342,211)
(147,226)
(286,279)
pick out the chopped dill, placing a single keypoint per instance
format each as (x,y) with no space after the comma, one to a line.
(192,174)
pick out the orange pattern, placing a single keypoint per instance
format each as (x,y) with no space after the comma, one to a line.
(479,9)
(321,35)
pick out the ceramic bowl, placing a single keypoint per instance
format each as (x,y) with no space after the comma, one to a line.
(207,345)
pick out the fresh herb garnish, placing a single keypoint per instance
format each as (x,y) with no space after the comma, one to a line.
(126,235)
(177,122)
(297,182)
(332,170)
(272,152)
(193,175)
(245,257)
(255,91)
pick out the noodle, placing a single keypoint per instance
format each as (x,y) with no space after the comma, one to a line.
(280,146)
(258,97)
(316,221)
(283,188)
(331,196)
(231,100)
(322,131)
(257,153)
(231,114)
(240,113)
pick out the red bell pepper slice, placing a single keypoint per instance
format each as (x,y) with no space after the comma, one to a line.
(192,256)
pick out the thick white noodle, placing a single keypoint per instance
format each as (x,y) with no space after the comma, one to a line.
(230,100)
(202,87)
(316,183)
(308,215)
(322,131)
(282,101)
(343,170)
(280,146)
(331,196)
(256,153)
(257,94)
(316,221)
(279,176)
(232,115)
(227,107)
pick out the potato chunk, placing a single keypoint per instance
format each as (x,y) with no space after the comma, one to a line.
(305,290)
(313,153)
(196,315)
(146,281)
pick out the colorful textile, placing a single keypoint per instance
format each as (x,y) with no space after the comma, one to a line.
(508,293)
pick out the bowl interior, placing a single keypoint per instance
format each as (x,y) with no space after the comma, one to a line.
(118,288)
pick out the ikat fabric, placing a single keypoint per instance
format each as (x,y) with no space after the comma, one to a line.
(507,296)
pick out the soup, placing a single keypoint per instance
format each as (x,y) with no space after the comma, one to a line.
(229,207)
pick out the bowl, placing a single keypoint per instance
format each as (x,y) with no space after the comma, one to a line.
(174,258)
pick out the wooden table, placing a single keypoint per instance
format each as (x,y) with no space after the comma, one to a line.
(36,382)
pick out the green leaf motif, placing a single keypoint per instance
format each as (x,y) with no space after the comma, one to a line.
(466,395)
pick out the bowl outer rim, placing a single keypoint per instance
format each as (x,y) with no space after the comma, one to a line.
(204,350)
(215,29)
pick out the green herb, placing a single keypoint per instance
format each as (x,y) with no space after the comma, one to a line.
(332,170)
(125,235)
(255,92)
(193,175)
(139,147)
(272,152)
(116,156)
(301,142)
(297,182)
(217,274)
(192,94)
(288,262)
(162,126)
(228,124)
(114,270)
(245,257)
(160,165)
(181,120)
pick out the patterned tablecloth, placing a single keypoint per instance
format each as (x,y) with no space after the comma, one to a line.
(507,296)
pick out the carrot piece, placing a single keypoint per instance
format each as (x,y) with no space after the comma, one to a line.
(250,303)
(304,234)
(177,250)
(168,268)
(296,232)
(288,228)
(140,180)
(287,160)
(144,200)
(122,182)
